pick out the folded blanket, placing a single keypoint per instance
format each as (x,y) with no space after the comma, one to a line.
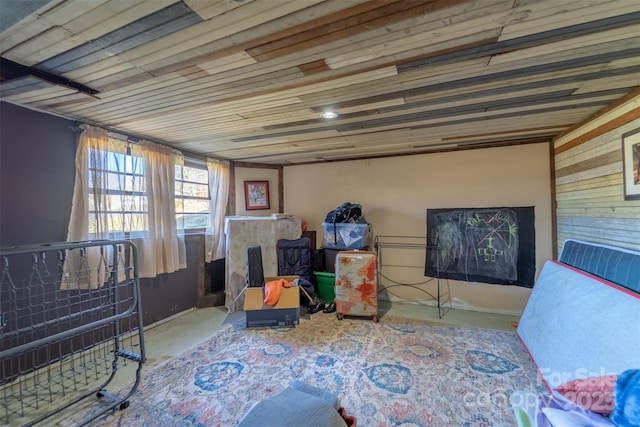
(627,410)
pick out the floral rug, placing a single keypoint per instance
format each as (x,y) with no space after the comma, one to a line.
(398,372)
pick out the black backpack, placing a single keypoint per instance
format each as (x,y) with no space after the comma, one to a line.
(346,212)
(294,258)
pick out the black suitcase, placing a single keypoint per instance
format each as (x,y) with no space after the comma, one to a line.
(294,258)
(317,259)
(255,273)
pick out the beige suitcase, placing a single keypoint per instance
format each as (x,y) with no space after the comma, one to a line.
(356,284)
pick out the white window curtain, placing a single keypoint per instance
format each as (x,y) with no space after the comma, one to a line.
(87,268)
(162,250)
(116,194)
(219,193)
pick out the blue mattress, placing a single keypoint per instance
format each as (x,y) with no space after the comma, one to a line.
(616,265)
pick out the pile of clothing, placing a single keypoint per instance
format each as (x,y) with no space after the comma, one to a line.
(601,401)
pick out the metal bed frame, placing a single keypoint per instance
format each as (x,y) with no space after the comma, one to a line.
(70,317)
(401,244)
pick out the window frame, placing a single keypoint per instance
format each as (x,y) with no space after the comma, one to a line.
(128,173)
(190,162)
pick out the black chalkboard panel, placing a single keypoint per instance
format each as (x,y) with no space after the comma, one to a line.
(488,245)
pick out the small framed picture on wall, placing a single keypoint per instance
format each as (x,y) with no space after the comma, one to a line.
(256,195)
(631,164)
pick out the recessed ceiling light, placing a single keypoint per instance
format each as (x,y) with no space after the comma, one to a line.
(329,114)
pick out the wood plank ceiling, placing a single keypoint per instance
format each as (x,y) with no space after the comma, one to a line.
(247,80)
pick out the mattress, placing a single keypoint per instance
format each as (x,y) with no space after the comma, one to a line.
(576,325)
(616,265)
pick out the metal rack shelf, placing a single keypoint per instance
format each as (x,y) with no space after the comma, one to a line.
(384,244)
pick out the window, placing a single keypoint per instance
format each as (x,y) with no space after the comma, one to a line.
(120,176)
(192,197)
(117,191)
(126,191)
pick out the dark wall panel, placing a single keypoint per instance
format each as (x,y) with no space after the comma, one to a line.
(168,294)
(37,171)
(37,156)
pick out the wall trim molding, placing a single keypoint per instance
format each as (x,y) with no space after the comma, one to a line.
(602,129)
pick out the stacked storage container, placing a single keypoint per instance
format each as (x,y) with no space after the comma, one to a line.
(342,237)
(345,229)
(339,237)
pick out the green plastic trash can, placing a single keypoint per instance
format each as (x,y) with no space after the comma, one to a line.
(326,285)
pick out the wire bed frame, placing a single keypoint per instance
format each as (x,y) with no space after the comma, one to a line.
(70,317)
(384,244)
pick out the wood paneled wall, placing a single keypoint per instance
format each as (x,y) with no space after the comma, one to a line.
(589,180)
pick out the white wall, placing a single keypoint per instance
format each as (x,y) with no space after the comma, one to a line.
(395,193)
(253,174)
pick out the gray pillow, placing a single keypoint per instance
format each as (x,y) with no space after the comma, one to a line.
(293,407)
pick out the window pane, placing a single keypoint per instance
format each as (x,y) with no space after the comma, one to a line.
(135,183)
(136,222)
(194,221)
(135,203)
(116,221)
(196,175)
(192,194)
(195,190)
(121,202)
(92,223)
(135,165)
(122,178)
(192,213)
(116,182)
(196,206)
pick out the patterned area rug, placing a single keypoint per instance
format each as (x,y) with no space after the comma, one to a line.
(398,372)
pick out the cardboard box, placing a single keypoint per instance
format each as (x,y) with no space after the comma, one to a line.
(286,312)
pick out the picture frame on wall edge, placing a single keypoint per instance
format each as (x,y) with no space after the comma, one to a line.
(631,164)
(256,195)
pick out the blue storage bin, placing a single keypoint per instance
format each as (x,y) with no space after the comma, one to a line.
(346,235)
